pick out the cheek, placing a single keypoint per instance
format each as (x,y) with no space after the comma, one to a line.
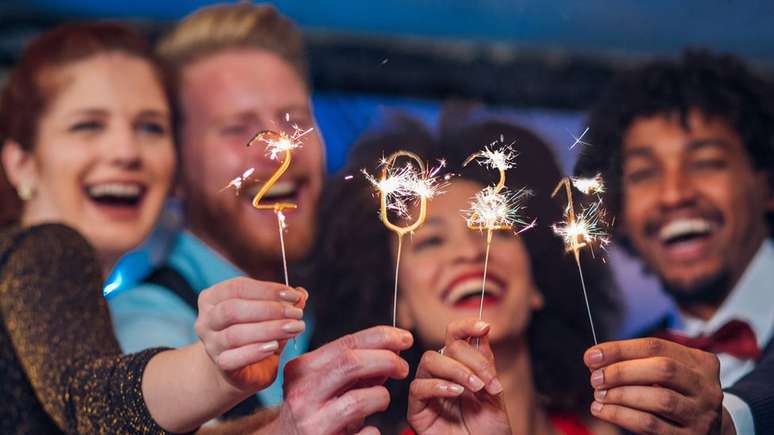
(417,277)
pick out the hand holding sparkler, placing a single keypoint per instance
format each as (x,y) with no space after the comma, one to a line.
(398,189)
(495,208)
(585,229)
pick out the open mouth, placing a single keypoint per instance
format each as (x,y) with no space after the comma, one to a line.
(465,290)
(281,191)
(116,194)
(684,231)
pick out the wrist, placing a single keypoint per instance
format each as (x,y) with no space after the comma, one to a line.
(222,384)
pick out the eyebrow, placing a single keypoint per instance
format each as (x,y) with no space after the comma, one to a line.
(434,221)
(640,151)
(707,143)
(693,145)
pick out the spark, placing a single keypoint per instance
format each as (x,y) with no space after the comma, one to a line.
(588,228)
(579,139)
(589,185)
(237,182)
(404,185)
(494,210)
(500,159)
(279,143)
(349,177)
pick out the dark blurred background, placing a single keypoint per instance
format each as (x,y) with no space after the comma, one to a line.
(539,63)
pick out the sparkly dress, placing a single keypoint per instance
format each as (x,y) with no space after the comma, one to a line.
(61,369)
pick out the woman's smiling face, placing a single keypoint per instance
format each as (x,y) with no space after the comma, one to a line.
(104,157)
(442,269)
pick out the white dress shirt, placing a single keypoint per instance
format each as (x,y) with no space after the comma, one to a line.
(752,301)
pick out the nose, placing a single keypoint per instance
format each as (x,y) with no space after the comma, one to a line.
(124,148)
(677,189)
(470,247)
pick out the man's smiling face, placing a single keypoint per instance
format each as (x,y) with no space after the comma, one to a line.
(694,206)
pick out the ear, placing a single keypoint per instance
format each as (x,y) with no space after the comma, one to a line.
(18,164)
(536,301)
(405,316)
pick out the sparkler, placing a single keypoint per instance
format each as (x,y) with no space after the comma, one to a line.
(495,208)
(399,188)
(585,229)
(277,144)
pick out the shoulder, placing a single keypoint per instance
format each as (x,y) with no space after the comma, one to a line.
(45,245)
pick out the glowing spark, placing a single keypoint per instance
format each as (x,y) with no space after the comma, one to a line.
(578,140)
(349,177)
(279,143)
(491,210)
(237,182)
(404,185)
(590,185)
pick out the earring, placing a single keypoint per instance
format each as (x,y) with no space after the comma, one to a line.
(25,191)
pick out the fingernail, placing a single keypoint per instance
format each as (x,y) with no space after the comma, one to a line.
(600,394)
(475,383)
(405,337)
(303,290)
(481,325)
(294,313)
(452,388)
(494,387)
(289,295)
(596,407)
(597,378)
(595,356)
(294,326)
(270,346)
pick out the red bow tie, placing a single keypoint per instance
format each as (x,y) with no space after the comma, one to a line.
(735,338)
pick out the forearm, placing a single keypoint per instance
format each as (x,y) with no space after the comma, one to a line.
(183,389)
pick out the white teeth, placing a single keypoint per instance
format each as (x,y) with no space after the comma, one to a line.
(683,227)
(121,190)
(281,188)
(470,287)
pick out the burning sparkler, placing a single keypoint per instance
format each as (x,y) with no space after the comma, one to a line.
(277,144)
(400,188)
(585,229)
(495,208)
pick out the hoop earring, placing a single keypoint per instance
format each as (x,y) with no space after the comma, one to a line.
(25,192)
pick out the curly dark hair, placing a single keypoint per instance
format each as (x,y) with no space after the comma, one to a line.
(352,263)
(718,86)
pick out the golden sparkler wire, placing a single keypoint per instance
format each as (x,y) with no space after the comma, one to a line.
(395,291)
(574,243)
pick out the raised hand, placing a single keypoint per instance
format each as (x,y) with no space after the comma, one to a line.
(654,386)
(244,323)
(458,392)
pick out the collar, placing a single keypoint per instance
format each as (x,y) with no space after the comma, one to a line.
(199,264)
(751,301)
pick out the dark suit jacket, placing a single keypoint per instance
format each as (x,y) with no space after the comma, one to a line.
(757,390)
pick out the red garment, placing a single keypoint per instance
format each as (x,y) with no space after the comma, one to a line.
(567,424)
(735,338)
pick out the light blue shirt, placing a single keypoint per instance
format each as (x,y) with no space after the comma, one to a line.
(149,315)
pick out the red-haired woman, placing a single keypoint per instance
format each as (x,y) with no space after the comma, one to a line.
(86,129)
